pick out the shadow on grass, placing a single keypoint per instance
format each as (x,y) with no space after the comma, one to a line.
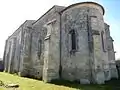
(109,85)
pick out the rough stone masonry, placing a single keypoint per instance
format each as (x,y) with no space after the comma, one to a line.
(71,43)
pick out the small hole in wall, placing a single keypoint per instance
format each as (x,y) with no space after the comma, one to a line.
(98,67)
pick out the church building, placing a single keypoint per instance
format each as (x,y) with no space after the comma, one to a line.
(71,43)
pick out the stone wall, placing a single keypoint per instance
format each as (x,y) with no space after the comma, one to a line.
(25,49)
(89,59)
(100,59)
(48,27)
(75,63)
(11,55)
(111,53)
(14,50)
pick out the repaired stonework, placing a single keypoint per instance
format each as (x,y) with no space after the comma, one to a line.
(71,43)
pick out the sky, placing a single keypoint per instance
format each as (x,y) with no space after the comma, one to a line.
(14,12)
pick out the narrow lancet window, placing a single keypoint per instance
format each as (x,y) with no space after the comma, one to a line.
(39,48)
(103,45)
(73,40)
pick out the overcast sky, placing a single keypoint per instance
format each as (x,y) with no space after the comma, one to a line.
(14,12)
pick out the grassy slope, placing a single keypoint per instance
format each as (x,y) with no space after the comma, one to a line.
(31,84)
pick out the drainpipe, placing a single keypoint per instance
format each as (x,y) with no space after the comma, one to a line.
(60,65)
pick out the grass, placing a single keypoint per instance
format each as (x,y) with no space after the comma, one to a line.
(32,84)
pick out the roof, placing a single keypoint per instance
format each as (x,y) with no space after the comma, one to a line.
(26,23)
(48,11)
(84,3)
(44,14)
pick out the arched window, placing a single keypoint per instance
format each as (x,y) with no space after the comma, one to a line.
(73,40)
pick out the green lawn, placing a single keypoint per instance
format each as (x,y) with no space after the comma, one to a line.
(31,84)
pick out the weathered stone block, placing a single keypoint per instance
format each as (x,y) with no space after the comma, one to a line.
(84,81)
